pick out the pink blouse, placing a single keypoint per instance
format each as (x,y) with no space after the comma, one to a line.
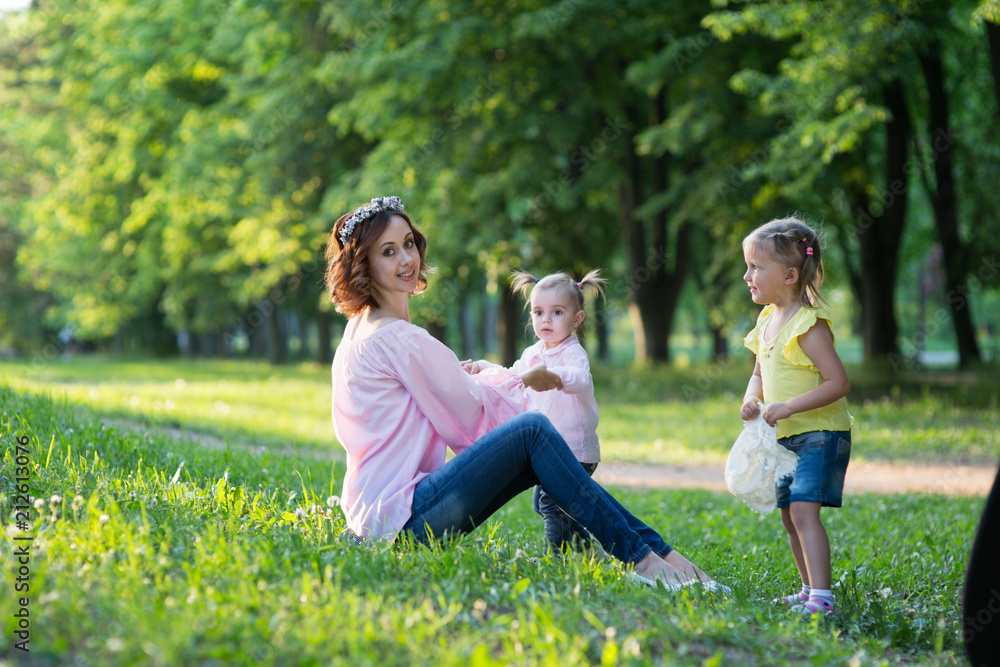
(573,410)
(400,397)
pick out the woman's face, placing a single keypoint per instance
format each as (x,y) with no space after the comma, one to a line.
(394,260)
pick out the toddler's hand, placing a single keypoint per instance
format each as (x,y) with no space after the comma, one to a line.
(470,367)
(776,411)
(749,409)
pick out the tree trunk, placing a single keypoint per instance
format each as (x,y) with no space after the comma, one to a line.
(993,37)
(944,199)
(324,354)
(436,329)
(654,285)
(467,325)
(601,329)
(720,346)
(510,321)
(257,333)
(879,236)
(278,343)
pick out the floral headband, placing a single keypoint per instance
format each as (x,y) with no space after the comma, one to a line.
(377,205)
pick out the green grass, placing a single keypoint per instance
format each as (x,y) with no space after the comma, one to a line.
(250,402)
(177,554)
(658,415)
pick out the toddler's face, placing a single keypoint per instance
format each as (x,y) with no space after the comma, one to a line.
(553,316)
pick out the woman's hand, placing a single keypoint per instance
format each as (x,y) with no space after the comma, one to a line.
(539,378)
(750,408)
(470,367)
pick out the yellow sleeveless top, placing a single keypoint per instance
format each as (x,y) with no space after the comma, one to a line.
(787,372)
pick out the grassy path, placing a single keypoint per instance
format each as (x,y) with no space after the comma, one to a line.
(662,417)
(874,477)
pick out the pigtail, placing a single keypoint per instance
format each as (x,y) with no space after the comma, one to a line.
(522,281)
(812,270)
(594,279)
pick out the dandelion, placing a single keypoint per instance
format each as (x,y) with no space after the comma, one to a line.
(299,514)
(77,503)
(103,519)
(333,501)
(39,504)
(55,501)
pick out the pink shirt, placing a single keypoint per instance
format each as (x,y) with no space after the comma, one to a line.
(573,411)
(400,398)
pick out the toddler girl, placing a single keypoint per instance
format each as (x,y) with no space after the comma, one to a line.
(803,384)
(556,313)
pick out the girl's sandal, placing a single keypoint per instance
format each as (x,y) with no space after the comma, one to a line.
(791,600)
(814,606)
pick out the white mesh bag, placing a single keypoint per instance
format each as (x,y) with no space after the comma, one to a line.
(756,463)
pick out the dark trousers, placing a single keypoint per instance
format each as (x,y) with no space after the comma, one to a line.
(981,599)
(560,528)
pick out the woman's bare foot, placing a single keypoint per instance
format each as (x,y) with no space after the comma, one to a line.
(676,572)
(655,568)
(683,565)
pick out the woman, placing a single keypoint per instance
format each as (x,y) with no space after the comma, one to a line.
(400,397)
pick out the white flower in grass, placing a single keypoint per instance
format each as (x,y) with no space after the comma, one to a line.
(55,501)
(300,514)
(39,504)
(77,503)
(333,501)
(103,519)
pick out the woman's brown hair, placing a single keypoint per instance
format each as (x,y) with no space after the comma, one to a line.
(348,277)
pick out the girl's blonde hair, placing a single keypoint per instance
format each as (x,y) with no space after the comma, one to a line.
(525,283)
(794,244)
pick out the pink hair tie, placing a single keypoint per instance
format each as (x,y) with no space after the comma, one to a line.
(579,285)
(809,250)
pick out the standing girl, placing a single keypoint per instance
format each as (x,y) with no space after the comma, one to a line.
(556,313)
(803,384)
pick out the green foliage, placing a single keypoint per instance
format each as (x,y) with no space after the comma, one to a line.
(154,551)
(177,165)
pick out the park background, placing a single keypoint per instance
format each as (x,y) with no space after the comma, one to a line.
(172,170)
(169,175)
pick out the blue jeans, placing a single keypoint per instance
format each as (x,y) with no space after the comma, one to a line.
(822,467)
(521,453)
(560,528)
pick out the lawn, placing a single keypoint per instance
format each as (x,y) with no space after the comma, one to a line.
(159,551)
(662,415)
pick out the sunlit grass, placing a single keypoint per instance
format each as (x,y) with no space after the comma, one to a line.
(250,402)
(161,552)
(652,415)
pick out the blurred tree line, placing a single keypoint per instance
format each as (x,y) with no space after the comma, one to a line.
(170,169)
